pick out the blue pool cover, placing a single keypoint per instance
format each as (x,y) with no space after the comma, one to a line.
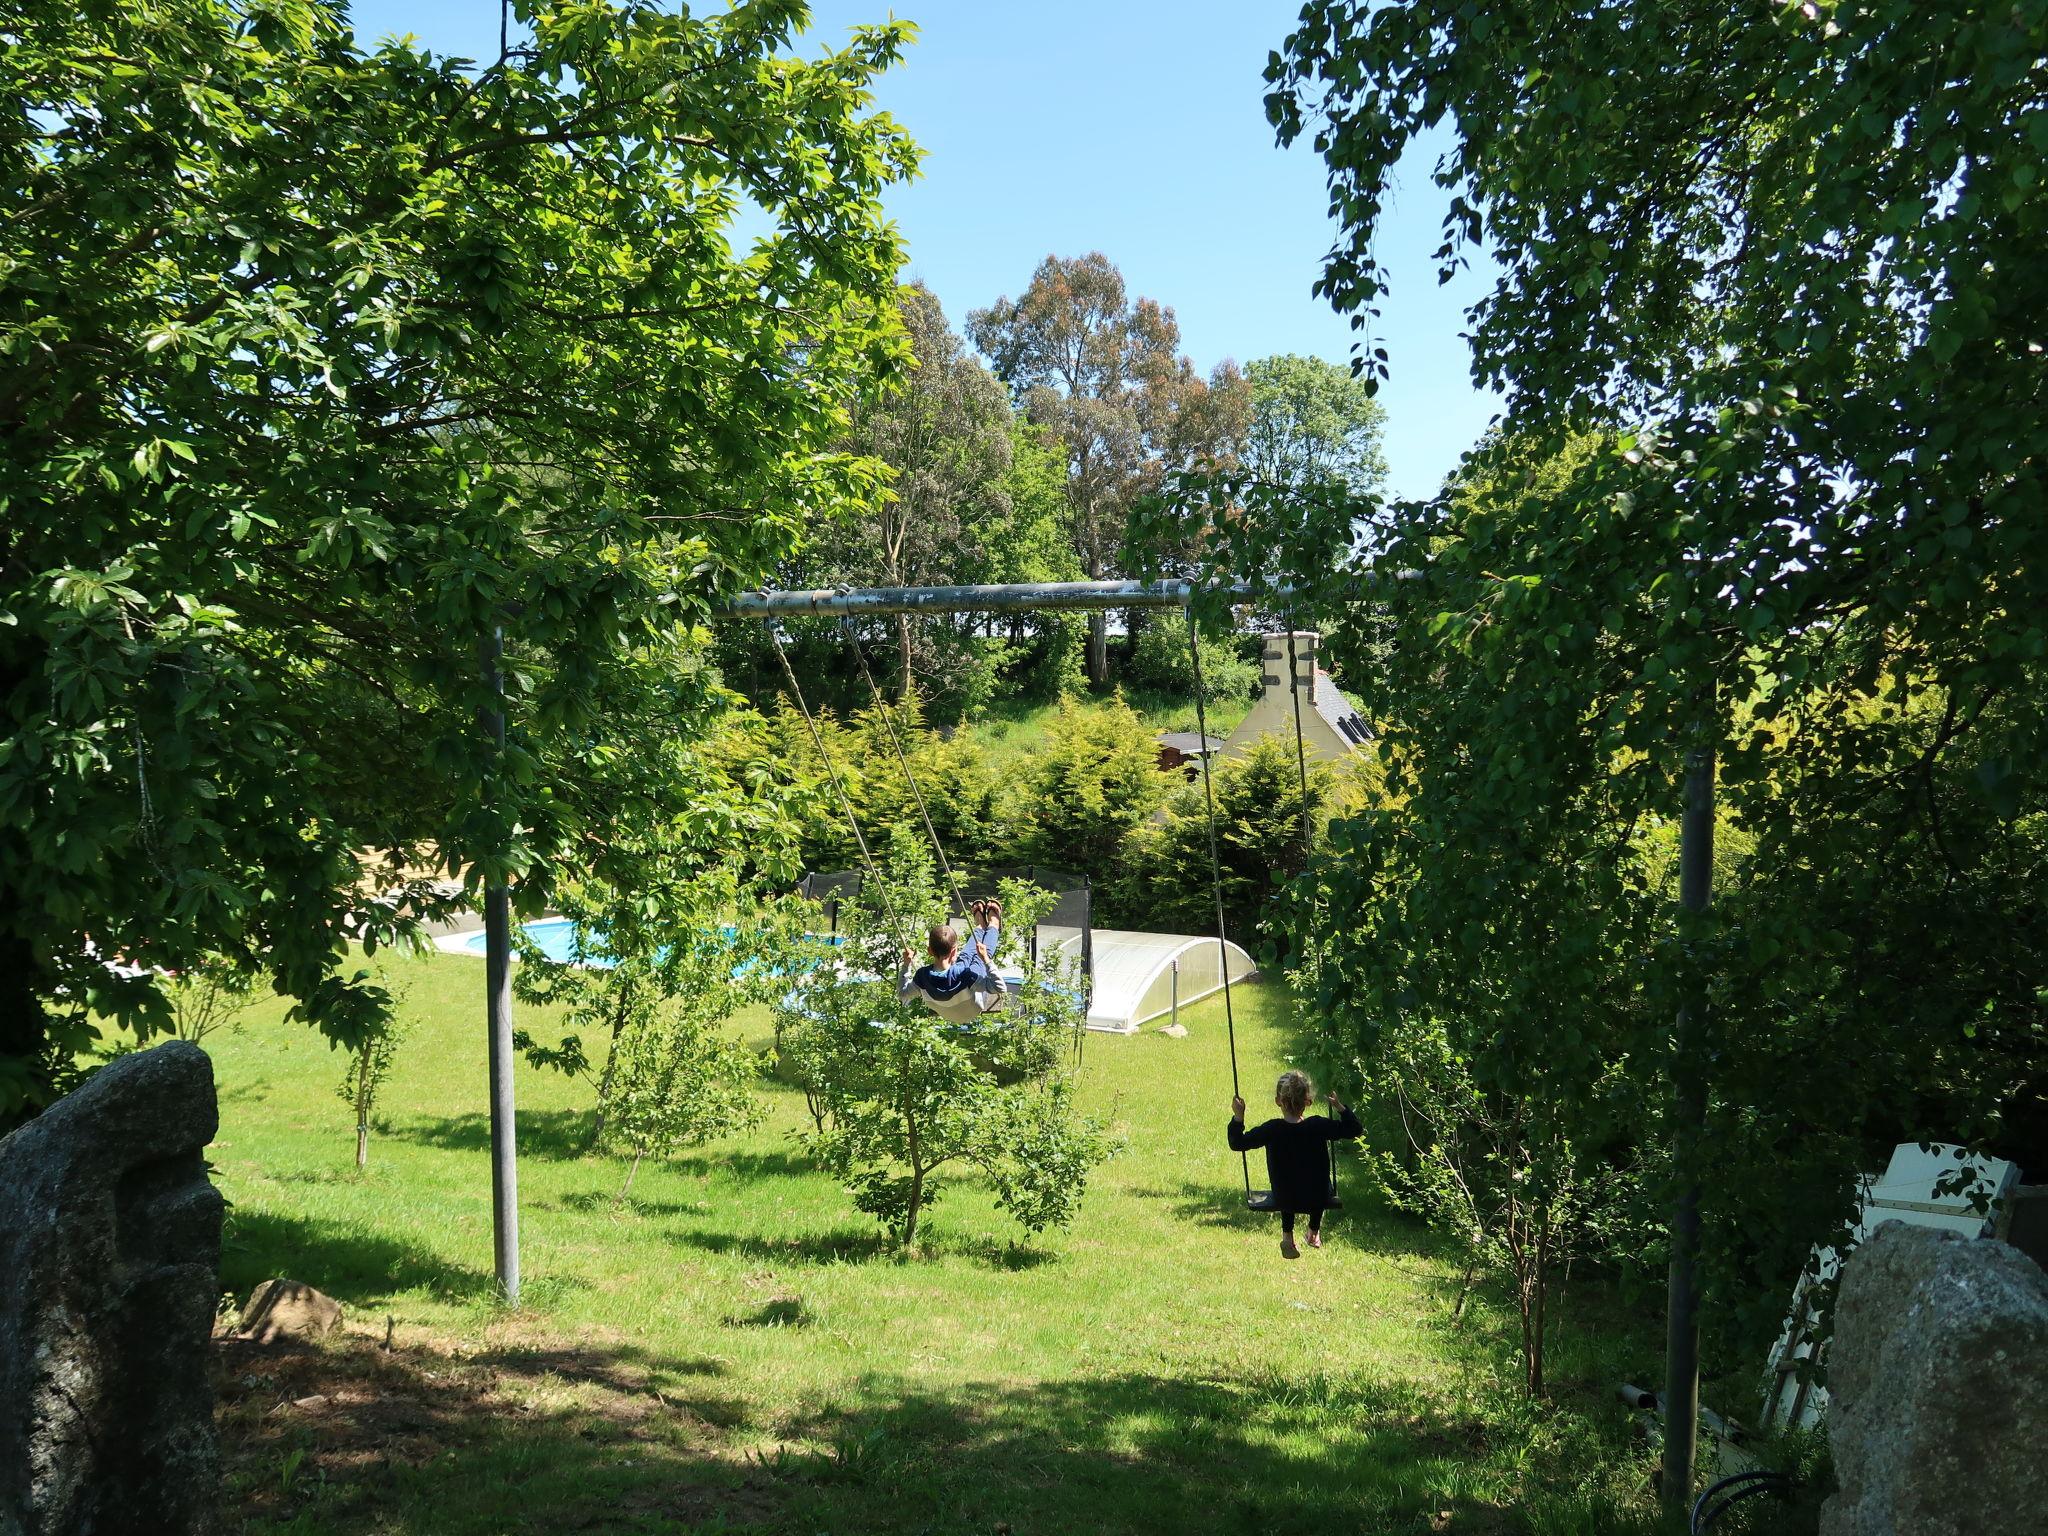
(556,938)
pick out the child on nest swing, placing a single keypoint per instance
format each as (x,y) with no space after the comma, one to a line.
(955,987)
(1297,1153)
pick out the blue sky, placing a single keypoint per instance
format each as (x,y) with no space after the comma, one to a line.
(1136,128)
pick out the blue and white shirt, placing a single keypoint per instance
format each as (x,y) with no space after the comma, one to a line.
(964,990)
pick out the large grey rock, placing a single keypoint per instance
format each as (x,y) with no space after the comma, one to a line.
(109,1274)
(1938,1377)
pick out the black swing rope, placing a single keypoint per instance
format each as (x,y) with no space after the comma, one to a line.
(1216,858)
(931,831)
(867,858)
(1308,835)
(1216,872)
(903,758)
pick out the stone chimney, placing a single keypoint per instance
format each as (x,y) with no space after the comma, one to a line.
(1275,665)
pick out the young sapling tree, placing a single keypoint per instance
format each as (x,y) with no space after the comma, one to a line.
(909,1097)
(656,974)
(206,996)
(370,1061)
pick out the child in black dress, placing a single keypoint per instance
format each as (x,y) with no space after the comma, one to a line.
(1297,1153)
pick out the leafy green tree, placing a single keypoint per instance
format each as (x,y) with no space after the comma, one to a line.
(1103,373)
(1313,422)
(1818,548)
(972,817)
(943,427)
(1040,655)
(1159,661)
(677,1078)
(1497,1174)
(211,994)
(321,366)
(1768,257)
(653,974)
(1033,542)
(1095,779)
(906,1097)
(705,830)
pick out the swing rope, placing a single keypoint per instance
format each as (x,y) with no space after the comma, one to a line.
(867,857)
(903,758)
(1216,873)
(1308,837)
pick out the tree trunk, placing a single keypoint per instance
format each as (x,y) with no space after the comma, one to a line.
(1098,648)
(604,1088)
(1516,1232)
(362,1144)
(24,1028)
(916,1201)
(611,1062)
(1537,1308)
(1471,1278)
(905,682)
(627,1188)
(916,1174)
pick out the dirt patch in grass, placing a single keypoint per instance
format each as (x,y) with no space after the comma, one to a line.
(332,1432)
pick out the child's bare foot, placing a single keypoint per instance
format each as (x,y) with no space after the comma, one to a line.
(1287,1248)
(1315,1238)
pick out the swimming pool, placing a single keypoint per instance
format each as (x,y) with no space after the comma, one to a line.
(556,938)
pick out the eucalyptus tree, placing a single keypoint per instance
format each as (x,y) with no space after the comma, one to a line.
(1104,374)
(943,427)
(321,365)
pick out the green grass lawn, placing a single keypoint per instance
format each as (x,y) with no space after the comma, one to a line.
(736,1349)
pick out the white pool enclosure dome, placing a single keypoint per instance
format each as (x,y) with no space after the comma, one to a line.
(1140,977)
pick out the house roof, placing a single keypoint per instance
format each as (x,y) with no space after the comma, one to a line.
(1337,712)
(1190,743)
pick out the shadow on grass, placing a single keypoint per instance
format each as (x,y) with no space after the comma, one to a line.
(351,1263)
(860,1245)
(1366,1221)
(781,1312)
(747,1165)
(551,1133)
(350,1438)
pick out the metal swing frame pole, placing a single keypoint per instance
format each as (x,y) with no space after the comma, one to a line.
(1012,597)
(1007,597)
(498,1007)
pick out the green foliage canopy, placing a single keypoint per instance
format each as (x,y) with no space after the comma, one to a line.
(1160,661)
(1259,844)
(1103,373)
(1313,422)
(1773,258)
(319,364)
(1096,779)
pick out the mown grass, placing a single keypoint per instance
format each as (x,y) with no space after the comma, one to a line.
(736,1349)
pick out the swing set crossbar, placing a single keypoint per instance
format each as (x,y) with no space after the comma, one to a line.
(1010,597)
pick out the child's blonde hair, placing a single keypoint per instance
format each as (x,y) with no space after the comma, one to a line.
(1293,1092)
(942,940)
